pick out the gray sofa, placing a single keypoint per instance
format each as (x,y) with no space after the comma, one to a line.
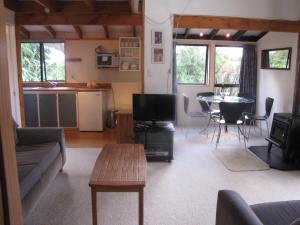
(40,156)
(233,210)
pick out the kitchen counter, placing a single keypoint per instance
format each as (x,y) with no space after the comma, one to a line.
(64,89)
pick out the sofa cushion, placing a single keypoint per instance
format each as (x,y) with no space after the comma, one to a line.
(29,175)
(296,222)
(277,213)
(41,155)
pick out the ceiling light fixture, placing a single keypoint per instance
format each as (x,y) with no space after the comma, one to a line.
(201,34)
(228,35)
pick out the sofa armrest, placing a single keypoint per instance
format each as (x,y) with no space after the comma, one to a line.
(31,136)
(233,210)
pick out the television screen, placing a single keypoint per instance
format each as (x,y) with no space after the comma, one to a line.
(153,107)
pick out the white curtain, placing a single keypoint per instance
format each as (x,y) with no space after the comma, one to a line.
(13,72)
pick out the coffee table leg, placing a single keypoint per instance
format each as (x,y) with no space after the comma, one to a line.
(94,206)
(141,206)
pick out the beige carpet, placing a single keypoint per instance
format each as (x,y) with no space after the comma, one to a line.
(183,192)
(237,159)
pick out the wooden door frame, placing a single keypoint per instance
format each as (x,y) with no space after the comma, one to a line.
(8,153)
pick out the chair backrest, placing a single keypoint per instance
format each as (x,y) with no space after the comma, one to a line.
(205,106)
(244,95)
(269,105)
(205,94)
(250,106)
(231,112)
(186,101)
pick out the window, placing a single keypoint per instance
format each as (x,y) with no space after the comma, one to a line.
(227,69)
(191,64)
(279,59)
(43,62)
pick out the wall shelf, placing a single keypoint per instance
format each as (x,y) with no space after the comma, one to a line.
(130,53)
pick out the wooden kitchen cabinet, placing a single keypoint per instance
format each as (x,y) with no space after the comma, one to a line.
(125,126)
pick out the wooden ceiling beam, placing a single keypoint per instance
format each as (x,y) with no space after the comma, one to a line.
(213,33)
(24,32)
(186,33)
(90,4)
(84,19)
(131,5)
(50,31)
(233,23)
(238,35)
(134,31)
(76,7)
(106,31)
(11,4)
(78,31)
(47,4)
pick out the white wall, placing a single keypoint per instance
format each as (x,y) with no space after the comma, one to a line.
(124,83)
(278,84)
(158,78)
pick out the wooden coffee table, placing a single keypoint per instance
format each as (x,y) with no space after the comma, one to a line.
(119,168)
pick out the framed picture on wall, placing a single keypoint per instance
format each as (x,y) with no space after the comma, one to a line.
(157,38)
(157,55)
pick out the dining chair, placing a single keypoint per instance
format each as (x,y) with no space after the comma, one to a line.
(248,111)
(268,108)
(205,94)
(212,115)
(190,115)
(231,114)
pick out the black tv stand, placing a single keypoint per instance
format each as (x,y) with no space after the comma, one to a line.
(157,139)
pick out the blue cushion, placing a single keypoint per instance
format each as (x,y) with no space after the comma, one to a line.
(277,213)
(29,175)
(41,154)
(33,161)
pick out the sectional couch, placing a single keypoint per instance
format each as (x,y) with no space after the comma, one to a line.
(40,156)
(233,210)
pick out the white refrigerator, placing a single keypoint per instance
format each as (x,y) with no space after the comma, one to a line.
(90,111)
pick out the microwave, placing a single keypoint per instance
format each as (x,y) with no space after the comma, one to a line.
(107,60)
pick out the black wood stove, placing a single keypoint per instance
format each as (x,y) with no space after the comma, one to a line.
(285,134)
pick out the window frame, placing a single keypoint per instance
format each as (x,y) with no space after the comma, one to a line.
(206,65)
(264,52)
(224,85)
(43,73)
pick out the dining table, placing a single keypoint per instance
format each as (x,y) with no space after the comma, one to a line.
(230,99)
(216,99)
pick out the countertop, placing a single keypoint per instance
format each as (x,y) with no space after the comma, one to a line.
(63,89)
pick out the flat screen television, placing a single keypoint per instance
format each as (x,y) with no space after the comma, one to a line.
(153,107)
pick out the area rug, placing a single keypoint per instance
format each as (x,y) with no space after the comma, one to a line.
(236,159)
(274,159)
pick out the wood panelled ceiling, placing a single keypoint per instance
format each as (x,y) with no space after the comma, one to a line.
(47,13)
(218,34)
